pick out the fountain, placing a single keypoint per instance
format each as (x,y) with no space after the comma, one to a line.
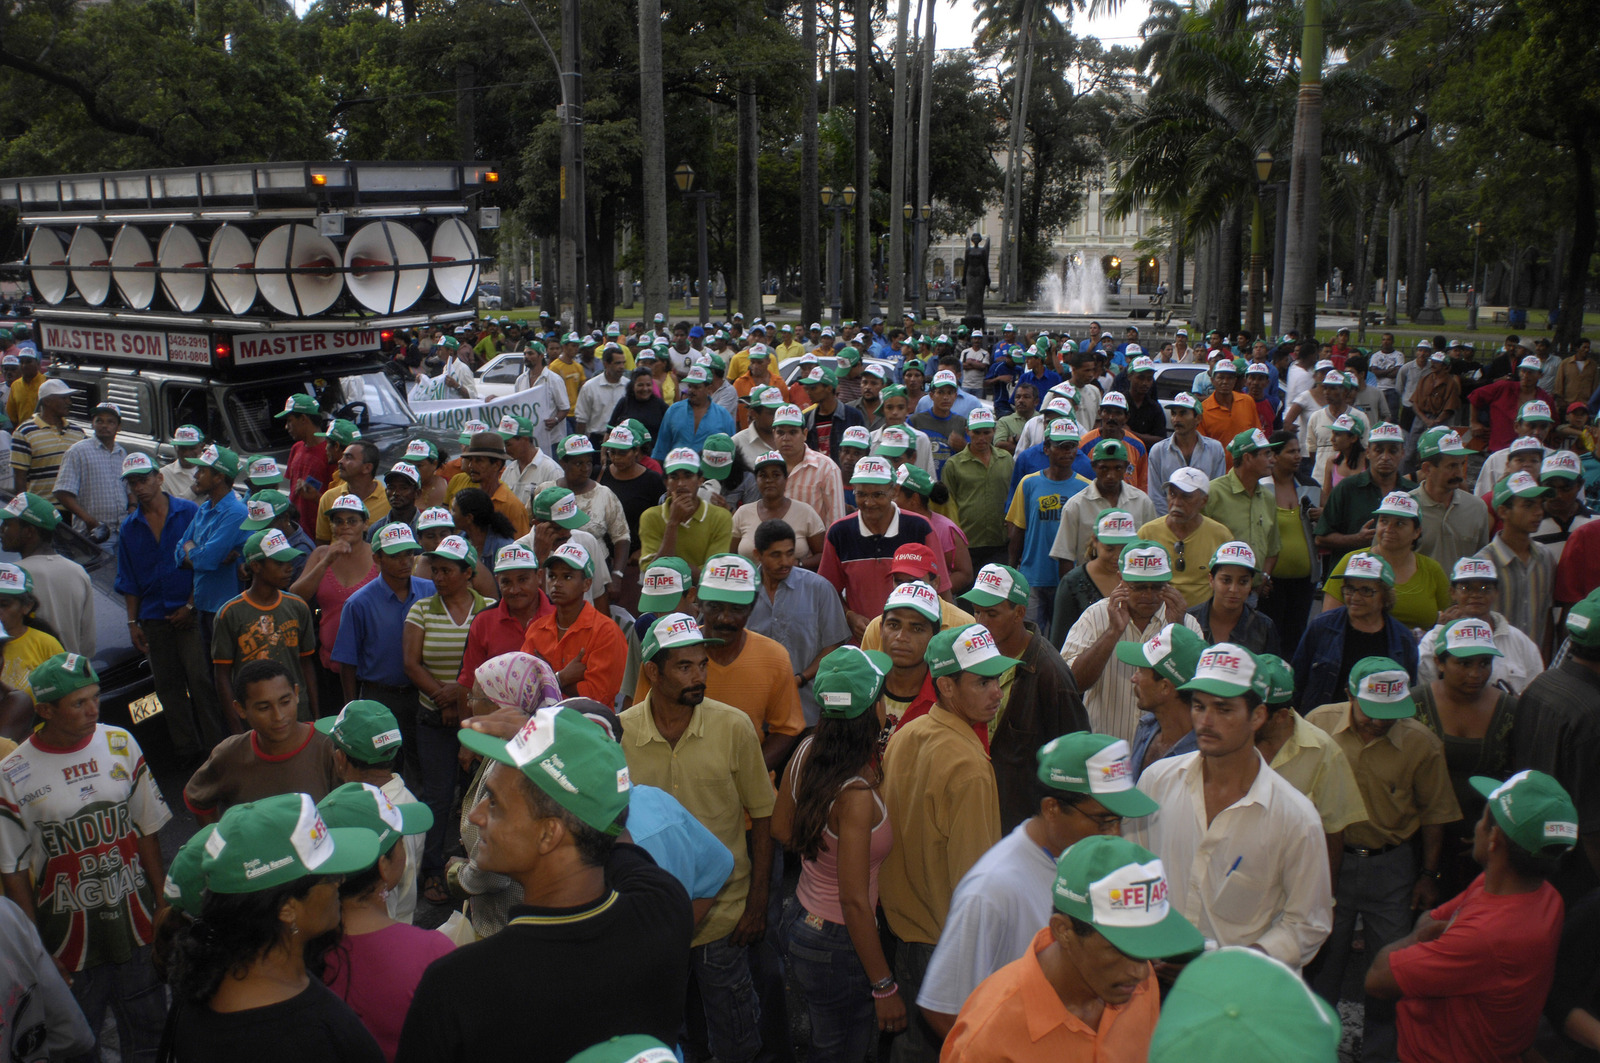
(1077,288)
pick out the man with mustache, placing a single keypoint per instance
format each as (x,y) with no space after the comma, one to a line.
(1455,524)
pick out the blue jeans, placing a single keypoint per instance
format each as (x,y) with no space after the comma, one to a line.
(1378,889)
(1042,610)
(917,1043)
(437,748)
(733,1014)
(837,991)
(134,996)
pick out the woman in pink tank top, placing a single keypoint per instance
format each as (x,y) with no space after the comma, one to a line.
(830,813)
(333,573)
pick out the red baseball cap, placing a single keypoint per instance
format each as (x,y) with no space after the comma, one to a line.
(913,560)
(1576,406)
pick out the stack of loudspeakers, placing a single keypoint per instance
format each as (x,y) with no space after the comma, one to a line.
(294,270)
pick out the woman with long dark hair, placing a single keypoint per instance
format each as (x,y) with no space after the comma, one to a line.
(641,403)
(487,529)
(241,990)
(830,813)
(377,962)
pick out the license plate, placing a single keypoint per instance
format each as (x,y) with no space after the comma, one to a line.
(144,708)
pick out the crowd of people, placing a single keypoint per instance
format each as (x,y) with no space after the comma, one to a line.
(1099,720)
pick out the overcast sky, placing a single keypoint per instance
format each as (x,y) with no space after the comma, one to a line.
(954,23)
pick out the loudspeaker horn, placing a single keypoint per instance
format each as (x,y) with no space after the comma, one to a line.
(183,266)
(132,248)
(88,249)
(230,256)
(299,247)
(454,242)
(373,258)
(47,260)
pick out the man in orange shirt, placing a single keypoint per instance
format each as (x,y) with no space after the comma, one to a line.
(583,645)
(1225,412)
(1085,991)
(751,672)
(758,358)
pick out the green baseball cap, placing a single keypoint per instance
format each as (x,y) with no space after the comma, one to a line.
(559,504)
(893,441)
(421,450)
(15,580)
(1098,765)
(573,556)
(263,470)
(970,648)
(1108,450)
(299,402)
(1065,430)
(914,478)
(789,416)
(1120,889)
(341,431)
(982,417)
(848,355)
(872,469)
(33,509)
(716,456)
(1467,637)
(571,758)
(621,438)
(1116,527)
(1369,566)
(671,632)
(849,681)
(270,544)
(434,517)
(633,1048)
(1172,653)
(1533,810)
(365,731)
(188,435)
(512,426)
(470,428)
(682,459)
(263,508)
(1277,679)
(1583,621)
(919,597)
(137,464)
(1144,561)
(363,806)
(994,584)
(1227,670)
(728,578)
(1537,411)
(456,548)
(185,885)
(514,557)
(396,538)
(1248,442)
(61,675)
(574,446)
(1518,485)
(1382,689)
(1441,442)
(272,842)
(663,584)
(1239,1005)
(221,459)
(820,375)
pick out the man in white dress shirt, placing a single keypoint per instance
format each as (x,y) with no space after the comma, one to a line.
(1244,850)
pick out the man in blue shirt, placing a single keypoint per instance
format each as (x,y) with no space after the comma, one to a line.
(370,631)
(161,616)
(796,608)
(214,541)
(1035,515)
(693,419)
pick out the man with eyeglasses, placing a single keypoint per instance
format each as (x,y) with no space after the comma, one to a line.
(1191,537)
(1083,787)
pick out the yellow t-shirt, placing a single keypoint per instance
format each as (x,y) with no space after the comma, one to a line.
(573,373)
(23,654)
(377,507)
(1194,577)
(24,397)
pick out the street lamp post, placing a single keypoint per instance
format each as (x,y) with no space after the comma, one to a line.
(1476,228)
(838,204)
(1253,312)
(684,176)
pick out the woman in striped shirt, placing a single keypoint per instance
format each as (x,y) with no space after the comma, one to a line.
(434,642)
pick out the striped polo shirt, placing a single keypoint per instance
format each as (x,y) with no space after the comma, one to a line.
(444,642)
(37,449)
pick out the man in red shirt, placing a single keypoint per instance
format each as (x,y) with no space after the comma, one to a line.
(310,470)
(586,649)
(1472,978)
(1496,406)
(503,627)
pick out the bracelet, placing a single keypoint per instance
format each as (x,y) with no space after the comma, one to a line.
(883,983)
(1435,875)
(885,994)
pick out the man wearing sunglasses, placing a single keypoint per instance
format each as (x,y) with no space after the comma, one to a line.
(1191,537)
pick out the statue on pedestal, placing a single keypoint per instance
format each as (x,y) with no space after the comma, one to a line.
(976,259)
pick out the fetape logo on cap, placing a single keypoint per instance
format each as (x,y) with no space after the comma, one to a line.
(508,425)
(1115,398)
(256,509)
(473,427)
(1258,439)
(1561,461)
(1344,423)
(1236,553)
(137,463)
(13,578)
(263,467)
(1385,688)
(516,553)
(974,646)
(1468,632)
(663,580)
(386,810)
(721,459)
(566,508)
(1111,769)
(994,580)
(731,573)
(311,840)
(1522,481)
(396,534)
(1133,895)
(1401,501)
(350,502)
(1473,568)
(1116,524)
(1450,441)
(875,466)
(678,628)
(209,455)
(895,436)
(570,551)
(418,449)
(622,435)
(574,445)
(1386,433)
(189,436)
(945,378)
(274,541)
(1536,408)
(1226,663)
(1148,560)
(914,595)
(1364,566)
(1525,443)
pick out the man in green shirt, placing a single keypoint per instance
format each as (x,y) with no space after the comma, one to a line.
(1248,510)
(684,526)
(1347,522)
(1024,406)
(979,480)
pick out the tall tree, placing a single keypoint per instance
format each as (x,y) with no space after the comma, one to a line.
(653,179)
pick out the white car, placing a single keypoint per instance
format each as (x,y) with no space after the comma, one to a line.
(499,378)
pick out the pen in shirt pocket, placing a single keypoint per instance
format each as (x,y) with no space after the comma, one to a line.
(1236,862)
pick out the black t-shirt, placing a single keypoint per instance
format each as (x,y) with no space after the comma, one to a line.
(636,495)
(1358,644)
(1558,732)
(313,1027)
(556,981)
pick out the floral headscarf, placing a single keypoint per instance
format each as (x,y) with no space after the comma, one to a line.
(518,680)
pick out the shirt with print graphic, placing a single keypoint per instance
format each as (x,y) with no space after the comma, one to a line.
(73,818)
